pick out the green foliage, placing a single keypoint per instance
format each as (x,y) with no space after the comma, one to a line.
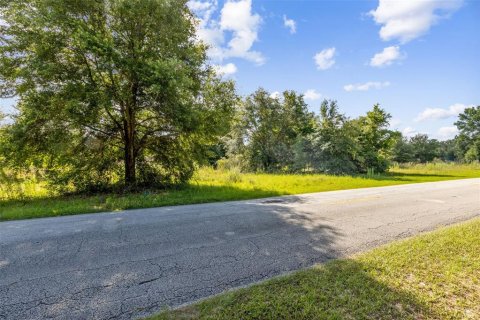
(215,153)
(20,186)
(468,141)
(109,91)
(424,149)
(447,150)
(281,135)
(342,146)
(469,122)
(473,153)
(233,162)
(268,129)
(331,148)
(375,140)
(402,150)
(421,149)
(464,147)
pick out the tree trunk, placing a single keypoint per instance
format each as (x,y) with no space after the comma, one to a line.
(130,150)
(130,136)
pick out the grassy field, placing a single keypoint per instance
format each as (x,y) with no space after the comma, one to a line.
(432,276)
(30,198)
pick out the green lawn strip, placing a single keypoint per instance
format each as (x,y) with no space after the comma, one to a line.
(211,185)
(431,276)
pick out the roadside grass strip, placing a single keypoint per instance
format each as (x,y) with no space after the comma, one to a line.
(33,199)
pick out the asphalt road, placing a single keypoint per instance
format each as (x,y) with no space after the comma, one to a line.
(130,264)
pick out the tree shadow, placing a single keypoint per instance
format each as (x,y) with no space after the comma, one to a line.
(411,176)
(335,287)
(135,263)
(340,289)
(29,208)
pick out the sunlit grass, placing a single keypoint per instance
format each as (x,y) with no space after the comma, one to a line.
(432,276)
(29,198)
(439,168)
(305,183)
(21,186)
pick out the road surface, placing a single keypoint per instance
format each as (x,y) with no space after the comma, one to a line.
(131,264)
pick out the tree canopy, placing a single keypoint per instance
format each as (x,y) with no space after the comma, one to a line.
(109,90)
(281,134)
(331,147)
(468,141)
(268,128)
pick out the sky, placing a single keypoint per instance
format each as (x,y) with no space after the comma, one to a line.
(418,58)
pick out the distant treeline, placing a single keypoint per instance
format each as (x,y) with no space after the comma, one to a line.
(280,134)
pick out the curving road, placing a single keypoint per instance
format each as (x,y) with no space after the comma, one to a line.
(130,264)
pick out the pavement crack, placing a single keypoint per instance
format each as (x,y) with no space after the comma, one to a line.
(148,281)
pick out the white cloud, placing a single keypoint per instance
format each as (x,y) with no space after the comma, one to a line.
(227,69)
(208,29)
(407,20)
(312,94)
(233,34)
(440,113)
(446,133)
(237,17)
(290,24)
(366,86)
(409,132)
(324,59)
(275,95)
(386,57)
(200,5)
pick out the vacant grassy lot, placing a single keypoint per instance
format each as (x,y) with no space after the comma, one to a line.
(31,199)
(432,276)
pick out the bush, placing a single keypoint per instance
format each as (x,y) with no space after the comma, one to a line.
(21,185)
(234,162)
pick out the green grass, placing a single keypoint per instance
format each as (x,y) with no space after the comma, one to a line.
(432,276)
(31,199)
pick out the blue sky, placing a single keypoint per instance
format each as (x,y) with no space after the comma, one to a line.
(429,72)
(417,58)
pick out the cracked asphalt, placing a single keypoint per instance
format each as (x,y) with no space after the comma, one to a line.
(133,263)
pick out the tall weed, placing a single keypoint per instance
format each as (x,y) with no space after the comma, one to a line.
(19,186)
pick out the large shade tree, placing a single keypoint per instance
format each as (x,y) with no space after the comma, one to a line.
(109,88)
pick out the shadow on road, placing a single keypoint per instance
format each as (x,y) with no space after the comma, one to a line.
(47,206)
(419,177)
(341,289)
